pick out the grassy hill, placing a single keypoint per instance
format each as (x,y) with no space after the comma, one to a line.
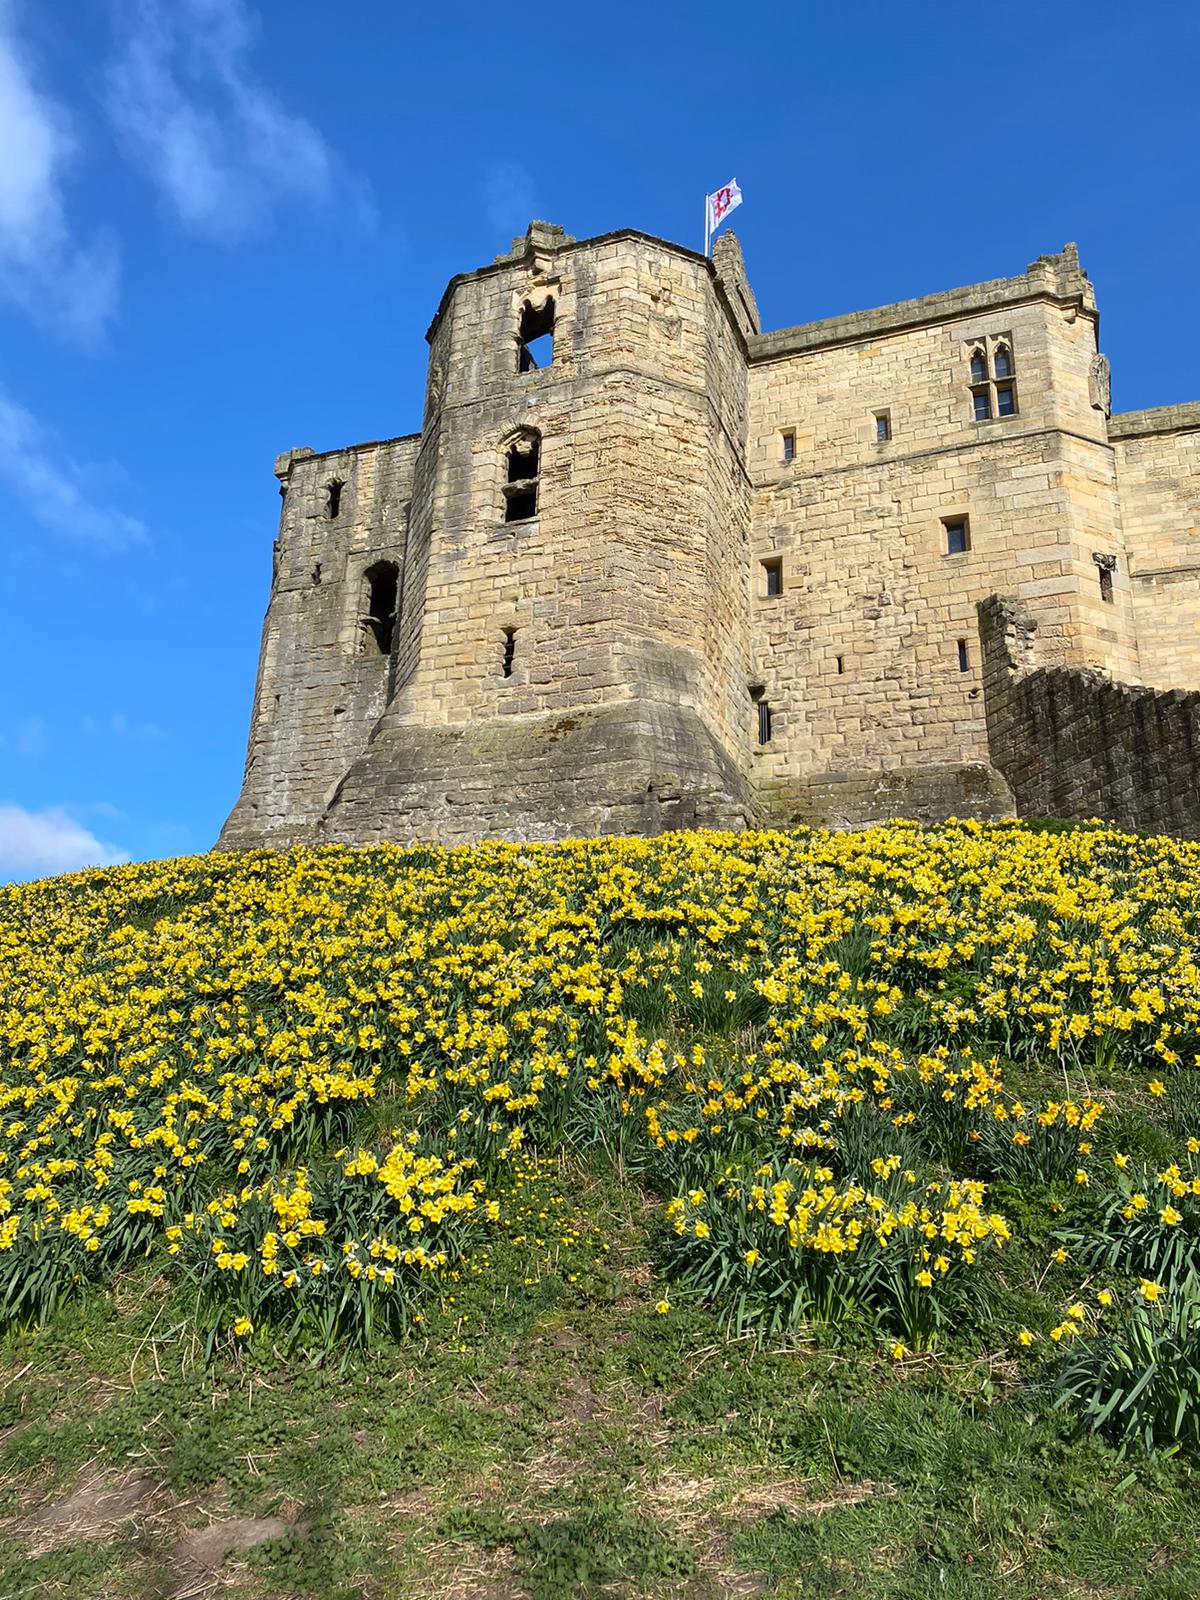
(715,1215)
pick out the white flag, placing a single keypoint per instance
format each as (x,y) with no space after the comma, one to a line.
(721,204)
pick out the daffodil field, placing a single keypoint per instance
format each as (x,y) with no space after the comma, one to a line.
(909,1087)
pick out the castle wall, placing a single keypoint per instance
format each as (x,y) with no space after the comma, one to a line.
(1072,743)
(319,690)
(600,663)
(1158,473)
(860,524)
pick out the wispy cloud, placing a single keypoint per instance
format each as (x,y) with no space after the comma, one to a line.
(195,116)
(57,491)
(123,727)
(53,276)
(31,738)
(510,196)
(34,844)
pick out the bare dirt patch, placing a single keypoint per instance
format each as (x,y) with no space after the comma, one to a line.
(204,1549)
(93,1510)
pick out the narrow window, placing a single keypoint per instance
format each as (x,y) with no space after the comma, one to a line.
(979,371)
(841,665)
(764,722)
(981,402)
(523,463)
(773,570)
(1002,361)
(789,447)
(958,536)
(1106,565)
(964,659)
(883,426)
(535,337)
(379,622)
(333,497)
(510,650)
(1006,400)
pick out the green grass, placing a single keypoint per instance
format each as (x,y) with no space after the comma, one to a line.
(551,1436)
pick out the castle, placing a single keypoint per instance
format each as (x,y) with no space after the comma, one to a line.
(646,566)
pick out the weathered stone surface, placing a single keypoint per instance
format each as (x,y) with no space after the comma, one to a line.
(1072,743)
(722,521)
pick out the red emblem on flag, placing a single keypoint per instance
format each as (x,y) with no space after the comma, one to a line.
(721,202)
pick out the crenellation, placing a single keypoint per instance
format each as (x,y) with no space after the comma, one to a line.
(586,636)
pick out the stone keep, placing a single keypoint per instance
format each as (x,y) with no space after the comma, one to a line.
(680,572)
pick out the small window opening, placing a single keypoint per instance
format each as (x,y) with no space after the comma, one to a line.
(964,658)
(979,371)
(1002,361)
(1006,400)
(841,665)
(958,536)
(510,651)
(1106,565)
(380,620)
(773,569)
(522,469)
(333,497)
(535,337)
(883,426)
(764,722)
(789,446)
(981,405)
(524,460)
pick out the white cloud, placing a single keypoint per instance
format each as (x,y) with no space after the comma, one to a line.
(31,738)
(34,844)
(509,196)
(54,488)
(51,275)
(121,727)
(195,116)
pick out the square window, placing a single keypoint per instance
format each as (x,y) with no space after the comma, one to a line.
(883,426)
(1006,400)
(773,569)
(958,536)
(789,447)
(981,403)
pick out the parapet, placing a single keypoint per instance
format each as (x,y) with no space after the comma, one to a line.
(1159,419)
(1057,277)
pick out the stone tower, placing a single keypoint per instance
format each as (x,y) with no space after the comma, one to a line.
(563,557)
(646,566)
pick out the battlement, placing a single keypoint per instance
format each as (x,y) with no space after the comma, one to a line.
(646,566)
(1058,278)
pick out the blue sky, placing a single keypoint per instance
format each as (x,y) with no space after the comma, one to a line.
(225,225)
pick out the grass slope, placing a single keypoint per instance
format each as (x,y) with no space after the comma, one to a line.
(591,1394)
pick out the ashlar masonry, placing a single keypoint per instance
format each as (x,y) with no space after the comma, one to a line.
(646,566)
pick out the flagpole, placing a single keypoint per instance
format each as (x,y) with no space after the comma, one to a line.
(706,214)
